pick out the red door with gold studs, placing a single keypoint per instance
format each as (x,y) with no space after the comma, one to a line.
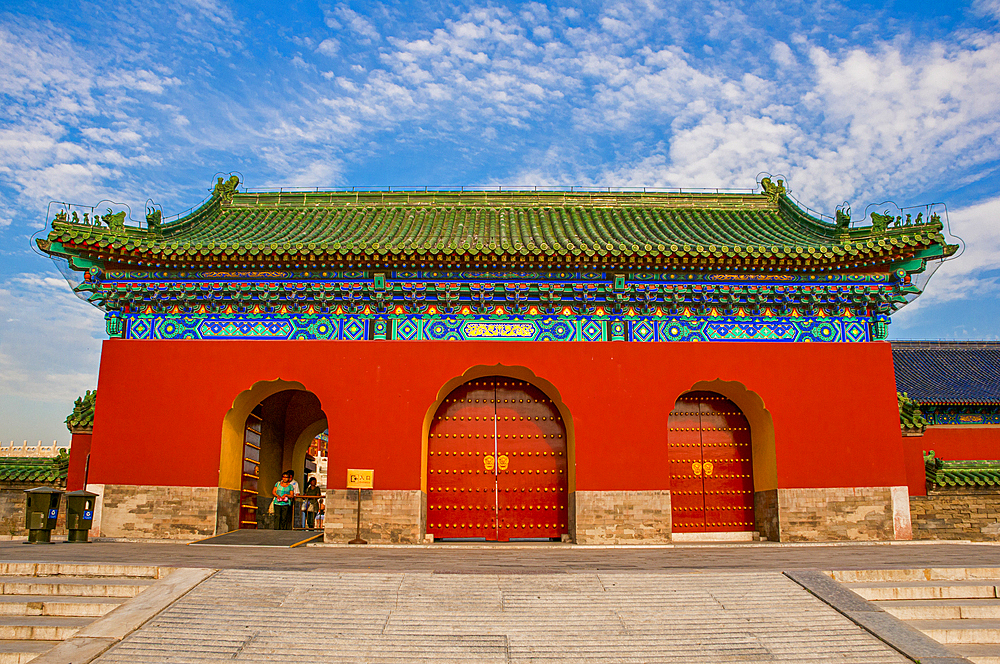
(711,469)
(497,465)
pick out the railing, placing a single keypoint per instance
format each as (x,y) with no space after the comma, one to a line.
(24,450)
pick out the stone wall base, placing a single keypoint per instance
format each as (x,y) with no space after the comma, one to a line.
(159,512)
(12,501)
(621,517)
(843,513)
(765,514)
(966,516)
(227,516)
(387,516)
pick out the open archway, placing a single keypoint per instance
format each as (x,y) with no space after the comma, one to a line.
(267,431)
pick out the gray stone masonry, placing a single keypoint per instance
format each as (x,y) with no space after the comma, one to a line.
(847,513)
(387,516)
(622,517)
(965,516)
(160,512)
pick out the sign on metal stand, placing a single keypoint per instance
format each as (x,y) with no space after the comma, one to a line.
(359,479)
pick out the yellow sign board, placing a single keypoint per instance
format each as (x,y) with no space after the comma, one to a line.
(360,479)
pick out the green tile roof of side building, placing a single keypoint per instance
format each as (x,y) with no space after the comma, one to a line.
(487,227)
(35,470)
(82,417)
(955,474)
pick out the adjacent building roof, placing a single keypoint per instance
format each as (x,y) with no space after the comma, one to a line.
(486,227)
(34,470)
(948,372)
(952,474)
(82,417)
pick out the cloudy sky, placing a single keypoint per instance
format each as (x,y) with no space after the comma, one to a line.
(130,101)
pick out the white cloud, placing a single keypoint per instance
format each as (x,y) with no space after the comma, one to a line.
(990,8)
(328,47)
(973,274)
(42,320)
(357,23)
(782,54)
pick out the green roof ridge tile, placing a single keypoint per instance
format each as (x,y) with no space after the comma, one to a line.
(961,473)
(82,417)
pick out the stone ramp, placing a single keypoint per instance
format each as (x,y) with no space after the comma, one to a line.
(598,618)
(261,537)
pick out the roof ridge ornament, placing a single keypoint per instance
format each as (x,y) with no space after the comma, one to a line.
(226,189)
(115,221)
(773,191)
(843,218)
(880,222)
(154,218)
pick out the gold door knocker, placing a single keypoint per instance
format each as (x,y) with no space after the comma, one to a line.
(503,462)
(708,468)
(488,462)
(696,468)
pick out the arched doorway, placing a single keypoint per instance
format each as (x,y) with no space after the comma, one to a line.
(711,465)
(277,435)
(497,463)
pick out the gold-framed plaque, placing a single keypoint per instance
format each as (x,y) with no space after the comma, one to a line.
(360,479)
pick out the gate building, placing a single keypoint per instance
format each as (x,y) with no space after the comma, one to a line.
(593,366)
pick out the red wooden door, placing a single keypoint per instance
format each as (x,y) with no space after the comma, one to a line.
(531,463)
(251,471)
(711,469)
(496,464)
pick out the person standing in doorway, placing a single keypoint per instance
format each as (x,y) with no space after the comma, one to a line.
(309,507)
(284,492)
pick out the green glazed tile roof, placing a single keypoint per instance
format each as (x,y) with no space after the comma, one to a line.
(483,227)
(953,474)
(82,417)
(36,470)
(910,417)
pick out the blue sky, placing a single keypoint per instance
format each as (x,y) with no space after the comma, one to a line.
(129,101)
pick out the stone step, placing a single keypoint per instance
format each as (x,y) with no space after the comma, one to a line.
(920,574)
(14,651)
(887,590)
(83,570)
(48,605)
(942,609)
(978,653)
(72,586)
(960,631)
(41,628)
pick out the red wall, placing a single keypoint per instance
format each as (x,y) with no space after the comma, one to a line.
(79,448)
(957,443)
(159,419)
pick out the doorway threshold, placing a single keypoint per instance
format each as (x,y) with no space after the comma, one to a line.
(739,536)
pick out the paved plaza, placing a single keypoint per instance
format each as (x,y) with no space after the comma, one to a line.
(510,558)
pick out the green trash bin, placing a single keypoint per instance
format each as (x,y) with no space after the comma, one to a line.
(79,516)
(40,513)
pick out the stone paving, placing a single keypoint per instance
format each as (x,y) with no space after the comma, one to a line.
(511,603)
(505,559)
(605,617)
